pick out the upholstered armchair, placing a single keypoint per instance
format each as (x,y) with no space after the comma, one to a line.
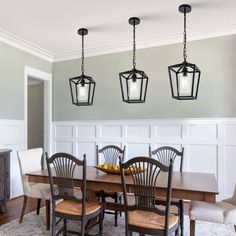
(223,212)
(29,161)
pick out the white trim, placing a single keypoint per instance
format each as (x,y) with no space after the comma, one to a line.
(209,143)
(47,79)
(35,50)
(25,46)
(148,43)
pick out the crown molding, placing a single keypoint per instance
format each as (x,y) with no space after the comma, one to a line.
(25,46)
(148,43)
(35,50)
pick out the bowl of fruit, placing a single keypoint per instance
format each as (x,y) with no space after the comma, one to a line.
(115,170)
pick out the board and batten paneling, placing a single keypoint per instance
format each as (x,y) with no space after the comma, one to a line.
(12,137)
(209,144)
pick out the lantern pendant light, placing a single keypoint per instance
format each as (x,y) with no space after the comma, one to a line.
(82,87)
(133,82)
(184,77)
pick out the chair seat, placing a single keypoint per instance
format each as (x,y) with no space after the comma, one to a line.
(204,211)
(150,220)
(75,208)
(37,190)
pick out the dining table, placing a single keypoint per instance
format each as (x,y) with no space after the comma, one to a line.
(185,185)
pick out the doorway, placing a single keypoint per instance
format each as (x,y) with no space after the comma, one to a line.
(35,126)
(43,91)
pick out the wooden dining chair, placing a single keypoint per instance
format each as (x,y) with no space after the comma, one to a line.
(165,154)
(29,161)
(66,202)
(109,155)
(144,216)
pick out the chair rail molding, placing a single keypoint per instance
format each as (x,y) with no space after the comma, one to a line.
(210,144)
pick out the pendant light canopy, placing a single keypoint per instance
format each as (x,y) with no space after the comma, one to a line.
(82,87)
(184,77)
(133,82)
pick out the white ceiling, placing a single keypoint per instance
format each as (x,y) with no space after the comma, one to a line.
(48,28)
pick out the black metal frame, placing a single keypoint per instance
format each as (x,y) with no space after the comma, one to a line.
(111,154)
(134,75)
(82,81)
(175,71)
(125,79)
(63,188)
(184,69)
(144,186)
(164,154)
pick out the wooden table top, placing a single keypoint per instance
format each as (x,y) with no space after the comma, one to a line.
(185,181)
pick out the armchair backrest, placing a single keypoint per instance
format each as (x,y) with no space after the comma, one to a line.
(144,178)
(30,160)
(110,155)
(166,153)
(61,170)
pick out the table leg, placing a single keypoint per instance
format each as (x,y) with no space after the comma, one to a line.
(48,214)
(192,227)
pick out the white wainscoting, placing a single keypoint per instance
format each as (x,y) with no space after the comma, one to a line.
(12,137)
(210,144)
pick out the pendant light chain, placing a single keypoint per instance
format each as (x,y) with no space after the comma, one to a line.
(185,39)
(134,47)
(82,56)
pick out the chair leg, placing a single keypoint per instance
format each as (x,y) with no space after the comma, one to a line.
(120,201)
(181,212)
(64,227)
(38,205)
(101,217)
(177,232)
(23,209)
(192,227)
(116,212)
(48,214)
(53,229)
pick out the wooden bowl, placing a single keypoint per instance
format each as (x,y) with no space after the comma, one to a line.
(115,172)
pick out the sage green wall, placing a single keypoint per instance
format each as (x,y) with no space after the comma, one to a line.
(35,115)
(215,57)
(12,63)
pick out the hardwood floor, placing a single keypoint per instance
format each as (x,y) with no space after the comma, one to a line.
(13,209)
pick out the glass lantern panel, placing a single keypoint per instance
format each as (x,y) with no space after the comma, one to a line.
(83,92)
(134,89)
(185,84)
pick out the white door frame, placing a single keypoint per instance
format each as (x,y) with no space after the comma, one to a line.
(46,78)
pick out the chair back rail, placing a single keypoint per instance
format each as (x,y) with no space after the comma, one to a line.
(110,154)
(166,153)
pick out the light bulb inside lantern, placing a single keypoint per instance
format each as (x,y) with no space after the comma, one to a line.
(185,84)
(83,95)
(134,88)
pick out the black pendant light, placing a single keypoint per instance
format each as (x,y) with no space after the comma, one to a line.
(133,82)
(184,77)
(82,87)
